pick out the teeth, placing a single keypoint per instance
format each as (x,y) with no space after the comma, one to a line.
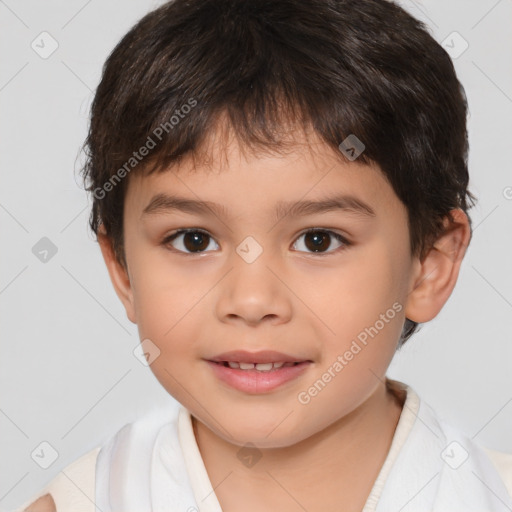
(262,367)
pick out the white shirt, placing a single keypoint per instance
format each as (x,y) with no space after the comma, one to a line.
(73,490)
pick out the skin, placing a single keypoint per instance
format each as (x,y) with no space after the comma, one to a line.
(43,504)
(193,306)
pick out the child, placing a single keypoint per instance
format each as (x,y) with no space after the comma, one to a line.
(280,197)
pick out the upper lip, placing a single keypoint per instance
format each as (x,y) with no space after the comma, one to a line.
(263,356)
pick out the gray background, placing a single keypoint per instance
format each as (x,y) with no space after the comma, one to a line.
(68,373)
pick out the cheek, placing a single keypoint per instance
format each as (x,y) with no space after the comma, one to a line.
(167,314)
(363,304)
(166,305)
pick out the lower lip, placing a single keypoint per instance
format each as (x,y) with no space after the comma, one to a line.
(255,381)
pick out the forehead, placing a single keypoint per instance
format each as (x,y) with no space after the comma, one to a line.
(227,176)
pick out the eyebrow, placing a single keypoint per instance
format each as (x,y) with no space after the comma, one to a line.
(164,203)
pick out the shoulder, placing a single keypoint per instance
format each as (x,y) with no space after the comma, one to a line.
(70,490)
(43,504)
(503,463)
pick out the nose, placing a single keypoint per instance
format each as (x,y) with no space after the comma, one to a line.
(253,293)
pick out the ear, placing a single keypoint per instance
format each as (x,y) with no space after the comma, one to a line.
(118,274)
(437,273)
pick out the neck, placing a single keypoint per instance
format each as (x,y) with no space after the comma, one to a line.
(336,461)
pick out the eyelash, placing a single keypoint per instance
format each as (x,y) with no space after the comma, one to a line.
(168,239)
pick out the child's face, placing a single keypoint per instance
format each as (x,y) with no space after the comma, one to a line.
(310,305)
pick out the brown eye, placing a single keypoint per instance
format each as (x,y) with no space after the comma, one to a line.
(189,241)
(319,240)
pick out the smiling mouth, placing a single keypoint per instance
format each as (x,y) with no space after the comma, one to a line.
(258,378)
(262,367)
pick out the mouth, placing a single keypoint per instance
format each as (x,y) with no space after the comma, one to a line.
(256,378)
(260,367)
(242,358)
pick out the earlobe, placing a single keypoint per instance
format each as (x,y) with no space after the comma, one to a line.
(437,274)
(118,274)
